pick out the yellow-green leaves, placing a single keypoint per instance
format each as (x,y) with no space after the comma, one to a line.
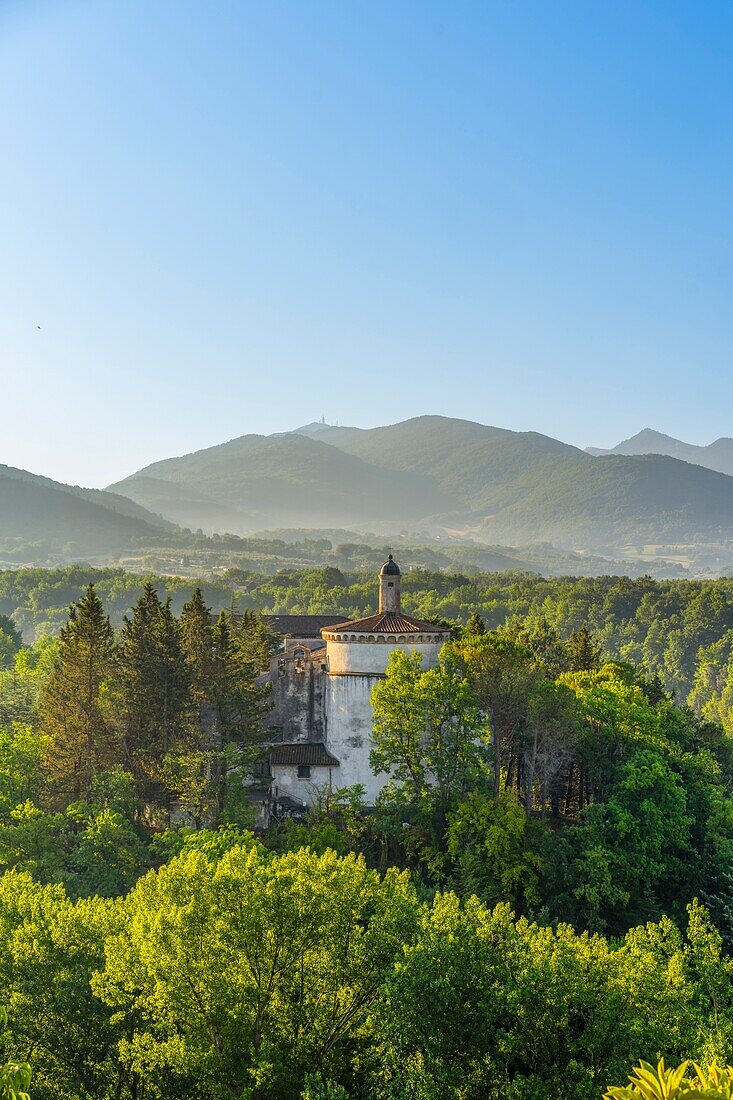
(648,1082)
(253,966)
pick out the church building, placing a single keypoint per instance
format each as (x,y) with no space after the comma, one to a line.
(322,682)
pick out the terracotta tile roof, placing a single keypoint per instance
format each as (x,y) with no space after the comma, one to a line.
(300,626)
(389,622)
(293,753)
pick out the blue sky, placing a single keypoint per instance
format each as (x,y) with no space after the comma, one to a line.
(238,217)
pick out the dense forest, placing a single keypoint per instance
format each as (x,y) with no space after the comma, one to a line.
(542,897)
(679,630)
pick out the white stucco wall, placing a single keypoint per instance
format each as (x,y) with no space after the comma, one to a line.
(372,656)
(285,782)
(349,732)
(354,667)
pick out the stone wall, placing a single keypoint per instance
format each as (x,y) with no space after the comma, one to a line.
(297,677)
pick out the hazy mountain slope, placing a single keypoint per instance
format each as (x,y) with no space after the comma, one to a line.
(256,481)
(416,445)
(616,499)
(181,504)
(507,487)
(35,510)
(112,501)
(715,456)
(486,467)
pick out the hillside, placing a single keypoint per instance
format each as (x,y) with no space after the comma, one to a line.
(614,500)
(486,467)
(444,474)
(111,501)
(258,481)
(715,456)
(86,521)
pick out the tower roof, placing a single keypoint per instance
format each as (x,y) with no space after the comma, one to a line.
(387,622)
(390,568)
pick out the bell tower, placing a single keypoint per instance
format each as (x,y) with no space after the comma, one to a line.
(389,587)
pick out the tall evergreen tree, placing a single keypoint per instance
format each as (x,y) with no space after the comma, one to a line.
(249,649)
(174,678)
(475,624)
(225,660)
(153,690)
(586,654)
(254,639)
(197,642)
(203,771)
(75,703)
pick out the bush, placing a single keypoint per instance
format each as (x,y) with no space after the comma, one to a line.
(648,1083)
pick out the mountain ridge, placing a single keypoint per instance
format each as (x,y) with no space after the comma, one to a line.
(446,473)
(717,455)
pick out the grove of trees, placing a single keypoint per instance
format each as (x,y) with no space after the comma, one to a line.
(541,899)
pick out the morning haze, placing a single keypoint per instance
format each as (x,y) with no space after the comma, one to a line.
(366,550)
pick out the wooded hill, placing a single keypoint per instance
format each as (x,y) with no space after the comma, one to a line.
(431,475)
(34,508)
(500,485)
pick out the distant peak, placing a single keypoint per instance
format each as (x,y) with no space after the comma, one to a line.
(313,428)
(648,434)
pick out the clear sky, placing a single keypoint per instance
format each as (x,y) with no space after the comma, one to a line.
(236,217)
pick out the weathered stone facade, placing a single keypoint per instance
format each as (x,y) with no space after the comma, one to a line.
(297,678)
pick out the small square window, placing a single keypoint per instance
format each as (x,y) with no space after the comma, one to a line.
(304,771)
(390,584)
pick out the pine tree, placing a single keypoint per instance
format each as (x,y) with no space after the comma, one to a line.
(475,624)
(153,690)
(174,679)
(75,703)
(202,662)
(225,661)
(254,638)
(250,646)
(198,776)
(585,652)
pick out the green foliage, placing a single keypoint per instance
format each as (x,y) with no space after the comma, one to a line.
(75,707)
(496,849)
(249,972)
(523,772)
(337,821)
(49,950)
(316,1088)
(584,652)
(483,1005)
(10,642)
(22,751)
(108,856)
(21,686)
(667,1083)
(15,1077)
(428,733)
(152,690)
(231,971)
